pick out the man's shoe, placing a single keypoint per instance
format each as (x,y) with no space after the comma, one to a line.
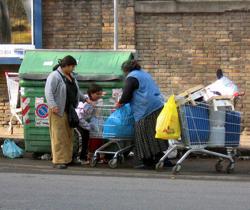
(60,166)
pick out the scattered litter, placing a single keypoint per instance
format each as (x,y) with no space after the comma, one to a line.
(46,157)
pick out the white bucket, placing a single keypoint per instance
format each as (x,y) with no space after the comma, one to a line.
(217,118)
(217,137)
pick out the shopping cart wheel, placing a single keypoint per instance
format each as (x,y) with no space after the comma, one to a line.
(159,165)
(113,163)
(176,169)
(218,166)
(230,168)
(93,162)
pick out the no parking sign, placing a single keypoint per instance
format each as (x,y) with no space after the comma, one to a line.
(41,112)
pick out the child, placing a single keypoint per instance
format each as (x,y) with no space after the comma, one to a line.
(85,112)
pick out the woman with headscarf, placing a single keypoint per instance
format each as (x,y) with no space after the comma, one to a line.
(146,102)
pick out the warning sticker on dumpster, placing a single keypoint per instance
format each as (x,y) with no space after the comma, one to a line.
(41,113)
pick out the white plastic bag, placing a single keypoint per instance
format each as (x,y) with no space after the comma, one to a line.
(171,144)
(224,86)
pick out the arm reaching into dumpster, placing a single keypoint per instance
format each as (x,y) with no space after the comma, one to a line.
(131,85)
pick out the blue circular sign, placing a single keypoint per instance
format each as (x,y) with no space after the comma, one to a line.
(42,110)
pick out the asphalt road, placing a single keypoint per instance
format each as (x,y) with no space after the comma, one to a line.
(53,191)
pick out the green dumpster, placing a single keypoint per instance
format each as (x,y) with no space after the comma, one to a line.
(101,67)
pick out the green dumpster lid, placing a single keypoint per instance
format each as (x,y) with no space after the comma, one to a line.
(92,65)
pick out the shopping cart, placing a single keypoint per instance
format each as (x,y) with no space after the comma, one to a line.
(116,146)
(12,80)
(203,128)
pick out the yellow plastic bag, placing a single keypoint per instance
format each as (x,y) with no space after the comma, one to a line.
(168,125)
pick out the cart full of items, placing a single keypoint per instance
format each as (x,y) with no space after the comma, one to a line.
(201,119)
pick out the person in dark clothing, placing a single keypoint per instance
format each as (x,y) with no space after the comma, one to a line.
(146,102)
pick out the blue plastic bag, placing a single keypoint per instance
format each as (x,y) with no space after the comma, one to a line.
(11,150)
(120,124)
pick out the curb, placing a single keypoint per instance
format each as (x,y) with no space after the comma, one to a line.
(12,167)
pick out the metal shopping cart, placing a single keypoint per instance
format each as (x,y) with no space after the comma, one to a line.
(117,146)
(203,128)
(12,80)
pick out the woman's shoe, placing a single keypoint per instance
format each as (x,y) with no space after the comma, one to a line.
(60,166)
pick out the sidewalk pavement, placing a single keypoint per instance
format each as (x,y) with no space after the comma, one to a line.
(195,167)
(199,167)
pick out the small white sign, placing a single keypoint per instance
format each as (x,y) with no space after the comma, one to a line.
(15,51)
(48,63)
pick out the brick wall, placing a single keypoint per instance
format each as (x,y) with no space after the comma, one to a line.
(184,50)
(86,24)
